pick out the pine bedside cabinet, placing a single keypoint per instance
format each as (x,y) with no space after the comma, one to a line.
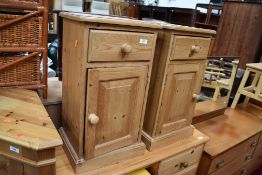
(107,63)
(28,137)
(178,71)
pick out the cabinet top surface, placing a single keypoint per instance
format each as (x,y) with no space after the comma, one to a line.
(24,120)
(86,17)
(230,129)
(129,165)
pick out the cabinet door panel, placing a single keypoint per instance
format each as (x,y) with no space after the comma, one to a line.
(116,96)
(176,103)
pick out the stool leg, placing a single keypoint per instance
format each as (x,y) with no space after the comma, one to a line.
(259,86)
(241,86)
(216,93)
(228,95)
(253,84)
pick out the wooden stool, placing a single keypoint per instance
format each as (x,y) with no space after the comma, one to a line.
(255,89)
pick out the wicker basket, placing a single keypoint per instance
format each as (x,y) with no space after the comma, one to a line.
(26,72)
(25,33)
(35,2)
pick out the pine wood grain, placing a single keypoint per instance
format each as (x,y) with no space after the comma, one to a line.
(229,129)
(126,166)
(24,120)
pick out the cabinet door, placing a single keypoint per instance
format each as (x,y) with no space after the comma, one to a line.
(176,105)
(116,96)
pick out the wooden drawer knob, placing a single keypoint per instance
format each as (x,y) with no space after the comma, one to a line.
(195,48)
(195,97)
(126,48)
(93,119)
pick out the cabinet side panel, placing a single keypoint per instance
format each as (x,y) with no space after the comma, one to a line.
(156,82)
(75,36)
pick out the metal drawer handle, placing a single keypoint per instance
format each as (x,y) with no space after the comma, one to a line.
(183,165)
(243,171)
(253,144)
(221,163)
(248,157)
(93,119)
(126,48)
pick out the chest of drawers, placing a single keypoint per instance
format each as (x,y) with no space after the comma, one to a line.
(177,74)
(107,64)
(235,142)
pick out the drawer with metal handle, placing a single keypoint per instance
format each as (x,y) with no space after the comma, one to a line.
(180,162)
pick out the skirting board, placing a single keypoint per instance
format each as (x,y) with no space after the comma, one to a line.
(160,141)
(113,157)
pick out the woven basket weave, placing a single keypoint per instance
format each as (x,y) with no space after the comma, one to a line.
(37,2)
(25,33)
(26,72)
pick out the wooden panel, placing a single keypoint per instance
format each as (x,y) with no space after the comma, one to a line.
(180,84)
(239,32)
(136,162)
(4,165)
(190,48)
(232,166)
(181,161)
(189,171)
(116,96)
(24,120)
(74,83)
(106,45)
(240,151)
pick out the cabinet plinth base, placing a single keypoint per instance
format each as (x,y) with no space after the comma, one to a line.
(81,165)
(153,143)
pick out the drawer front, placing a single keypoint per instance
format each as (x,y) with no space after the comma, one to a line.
(180,161)
(189,171)
(241,153)
(106,45)
(185,47)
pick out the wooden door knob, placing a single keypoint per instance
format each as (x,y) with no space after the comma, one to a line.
(195,48)
(195,97)
(93,119)
(126,48)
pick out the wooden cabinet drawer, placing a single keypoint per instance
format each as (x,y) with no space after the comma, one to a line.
(185,47)
(240,154)
(188,171)
(107,45)
(180,161)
